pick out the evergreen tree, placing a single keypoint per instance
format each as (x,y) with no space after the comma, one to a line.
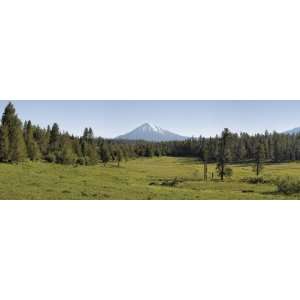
(149,151)
(17,151)
(90,134)
(259,158)
(85,134)
(12,127)
(43,139)
(105,155)
(32,146)
(241,150)
(157,151)
(119,155)
(54,138)
(125,154)
(92,154)
(77,147)
(4,144)
(84,147)
(224,155)
(68,155)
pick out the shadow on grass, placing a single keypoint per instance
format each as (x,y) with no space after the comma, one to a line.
(276,193)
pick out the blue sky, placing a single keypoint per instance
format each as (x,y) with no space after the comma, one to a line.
(190,118)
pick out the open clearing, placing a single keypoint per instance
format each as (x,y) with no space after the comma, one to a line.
(143,178)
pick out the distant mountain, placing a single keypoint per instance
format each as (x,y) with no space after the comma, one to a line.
(293,131)
(152,133)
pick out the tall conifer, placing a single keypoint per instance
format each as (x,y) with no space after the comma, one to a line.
(16,144)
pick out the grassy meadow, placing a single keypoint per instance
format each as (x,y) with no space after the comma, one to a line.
(143,178)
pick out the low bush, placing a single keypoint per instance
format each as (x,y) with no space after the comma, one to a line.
(255,180)
(80,161)
(287,185)
(51,158)
(172,183)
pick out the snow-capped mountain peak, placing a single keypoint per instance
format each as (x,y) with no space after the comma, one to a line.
(151,132)
(150,126)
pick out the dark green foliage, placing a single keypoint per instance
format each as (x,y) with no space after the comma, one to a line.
(17,151)
(65,153)
(42,138)
(92,154)
(255,180)
(223,155)
(33,149)
(149,151)
(50,157)
(157,152)
(12,132)
(68,156)
(172,183)
(119,155)
(228,172)
(54,138)
(105,154)
(77,147)
(4,144)
(288,185)
(240,150)
(87,148)
(259,156)
(88,135)
(81,161)
(125,154)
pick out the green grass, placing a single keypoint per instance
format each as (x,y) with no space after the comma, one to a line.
(149,178)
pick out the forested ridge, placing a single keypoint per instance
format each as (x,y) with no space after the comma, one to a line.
(26,141)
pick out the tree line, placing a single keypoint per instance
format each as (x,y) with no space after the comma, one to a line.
(22,141)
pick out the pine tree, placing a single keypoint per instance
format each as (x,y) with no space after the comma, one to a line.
(223,155)
(92,154)
(17,151)
(157,151)
(68,155)
(259,156)
(32,146)
(149,151)
(43,140)
(90,134)
(119,155)
(4,144)
(16,144)
(241,150)
(125,154)
(105,155)
(77,147)
(65,153)
(54,138)
(84,147)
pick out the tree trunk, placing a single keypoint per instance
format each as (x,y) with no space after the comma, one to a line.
(222,173)
(205,171)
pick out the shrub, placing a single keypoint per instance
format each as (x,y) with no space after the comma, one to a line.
(287,185)
(228,172)
(172,183)
(51,158)
(255,180)
(80,160)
